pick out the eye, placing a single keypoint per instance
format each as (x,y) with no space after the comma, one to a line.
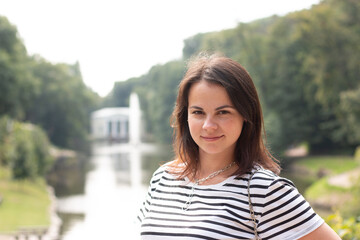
(223,112)
(197,112)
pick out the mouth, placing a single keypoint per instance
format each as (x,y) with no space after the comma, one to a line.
(211,139)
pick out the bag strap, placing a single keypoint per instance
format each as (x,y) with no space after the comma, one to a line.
(252,214)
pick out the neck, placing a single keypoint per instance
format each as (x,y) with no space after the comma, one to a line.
(210,163)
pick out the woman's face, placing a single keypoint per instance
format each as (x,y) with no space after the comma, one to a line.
(215,124)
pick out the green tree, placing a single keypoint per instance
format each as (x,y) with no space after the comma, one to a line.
(349,115)
(120,94)
(63,105)
(305,66)
(310,61)
(17,86)
(159,92)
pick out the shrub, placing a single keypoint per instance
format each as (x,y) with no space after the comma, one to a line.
(23,163)
(25,148)
(357,154)
(347,229)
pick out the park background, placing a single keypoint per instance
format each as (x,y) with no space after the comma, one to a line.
(305,65)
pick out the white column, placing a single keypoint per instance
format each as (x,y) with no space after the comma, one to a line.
(134,127)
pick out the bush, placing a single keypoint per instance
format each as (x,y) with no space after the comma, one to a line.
(23,163)
(346,220)
(5,146)
(347,229)
(25,148)
(42,151)
(357,154)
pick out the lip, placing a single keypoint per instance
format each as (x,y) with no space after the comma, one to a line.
(211,139)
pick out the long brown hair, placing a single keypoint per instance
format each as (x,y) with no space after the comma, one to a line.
(223,71)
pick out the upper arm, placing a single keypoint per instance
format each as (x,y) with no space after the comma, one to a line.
(285,214)
(324,232)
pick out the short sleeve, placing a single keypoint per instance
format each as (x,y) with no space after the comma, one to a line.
(285,213)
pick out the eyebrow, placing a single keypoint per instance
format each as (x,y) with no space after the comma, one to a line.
(224,106)
(218,108)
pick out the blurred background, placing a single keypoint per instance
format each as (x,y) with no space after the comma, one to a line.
(87,89)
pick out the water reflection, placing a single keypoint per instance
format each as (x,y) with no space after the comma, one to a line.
(70,221)
(68,174)
(114,189)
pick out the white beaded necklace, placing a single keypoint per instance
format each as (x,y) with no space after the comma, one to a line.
(201,180)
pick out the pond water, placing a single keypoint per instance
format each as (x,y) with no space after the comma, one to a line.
(100,200)
(113,190)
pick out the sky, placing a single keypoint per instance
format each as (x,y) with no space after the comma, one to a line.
(114,40)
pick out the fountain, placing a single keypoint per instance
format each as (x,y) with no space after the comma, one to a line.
(134,119)
(109,205)
(134,125)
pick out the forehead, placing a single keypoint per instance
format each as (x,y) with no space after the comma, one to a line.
(203,92)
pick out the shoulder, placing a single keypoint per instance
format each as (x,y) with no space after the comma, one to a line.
(271,191)
(267,180)
(284,212)
(164,180)
(164,171)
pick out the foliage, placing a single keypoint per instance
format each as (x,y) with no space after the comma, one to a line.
(349,115)
(120,94)
(63,105)
(347,229)
(273,134)
(157,93)
(346,220)
(17,86)
(310,63)
(5,144)
(50,95)
(305,66)
(23,163)
(25,149)
(300,63)
(345,201)
(357,154)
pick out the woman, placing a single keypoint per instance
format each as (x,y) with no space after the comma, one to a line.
(223,183)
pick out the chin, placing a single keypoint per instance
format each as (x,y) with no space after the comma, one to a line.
(212,151)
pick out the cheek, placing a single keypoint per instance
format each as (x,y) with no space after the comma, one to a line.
(194,127)
(235,127)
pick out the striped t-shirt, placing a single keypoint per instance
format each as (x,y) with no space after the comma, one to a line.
(221,211)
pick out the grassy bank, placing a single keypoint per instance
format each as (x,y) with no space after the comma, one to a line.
(337,205)
(24,203)
(321,194)
(322,167)
(329,164)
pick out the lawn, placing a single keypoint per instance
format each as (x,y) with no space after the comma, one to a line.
(24,203)
(334,164)
(321,193)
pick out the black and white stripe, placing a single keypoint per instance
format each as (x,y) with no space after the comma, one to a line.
(221,211)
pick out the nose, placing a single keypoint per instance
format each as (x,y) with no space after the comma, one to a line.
(209,124)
